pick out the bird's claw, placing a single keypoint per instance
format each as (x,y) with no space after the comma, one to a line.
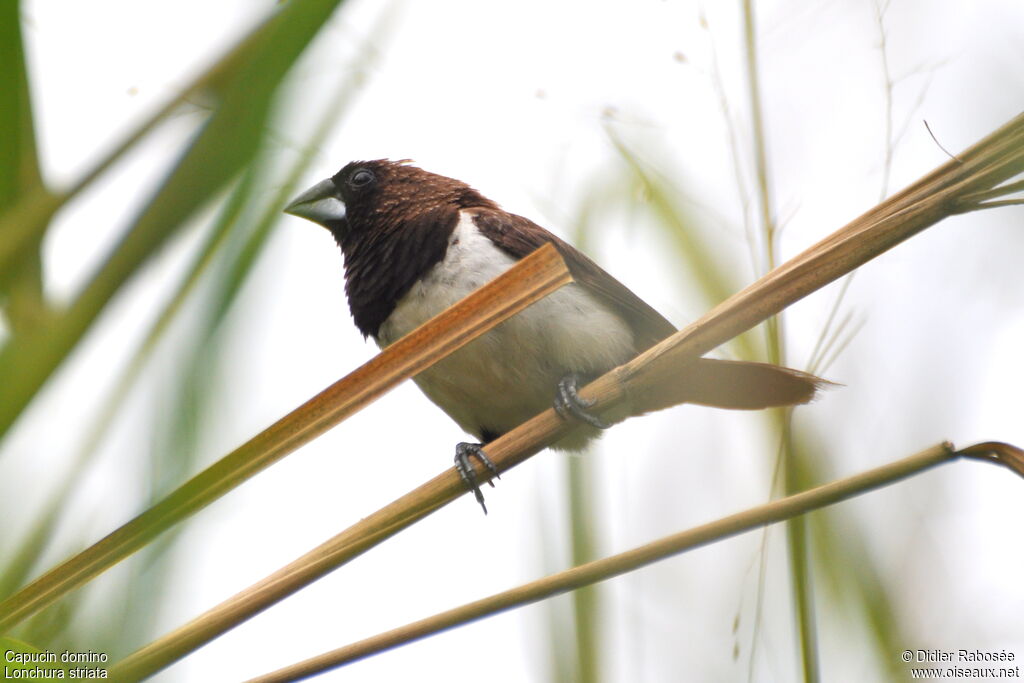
(569,404)
(463,452)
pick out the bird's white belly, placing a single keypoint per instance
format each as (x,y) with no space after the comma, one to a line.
(508,374)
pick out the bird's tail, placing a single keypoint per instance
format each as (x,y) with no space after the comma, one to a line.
(739,385)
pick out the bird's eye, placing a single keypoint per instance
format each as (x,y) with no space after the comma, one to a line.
(361,178)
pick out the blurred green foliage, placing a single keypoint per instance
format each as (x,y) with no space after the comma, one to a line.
(232,150)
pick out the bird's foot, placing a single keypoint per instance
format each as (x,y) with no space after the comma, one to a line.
(463,452)
(569,404)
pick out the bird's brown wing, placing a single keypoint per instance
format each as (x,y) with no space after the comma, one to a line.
(739,385)
(520,236)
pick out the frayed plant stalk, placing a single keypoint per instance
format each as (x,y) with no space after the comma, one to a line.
(669,546)
(969,182)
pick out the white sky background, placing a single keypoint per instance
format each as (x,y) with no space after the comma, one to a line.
(512,98)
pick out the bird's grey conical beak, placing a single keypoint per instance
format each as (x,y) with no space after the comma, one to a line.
(321,204)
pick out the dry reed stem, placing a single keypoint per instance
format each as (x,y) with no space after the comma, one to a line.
(531,279)
(606,568)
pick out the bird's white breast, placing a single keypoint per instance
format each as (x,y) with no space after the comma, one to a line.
(510,373)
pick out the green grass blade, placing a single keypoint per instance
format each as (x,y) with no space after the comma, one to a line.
(244,85)
(19,162)
(21,286)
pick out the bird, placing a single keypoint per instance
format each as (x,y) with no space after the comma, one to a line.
(415,243)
